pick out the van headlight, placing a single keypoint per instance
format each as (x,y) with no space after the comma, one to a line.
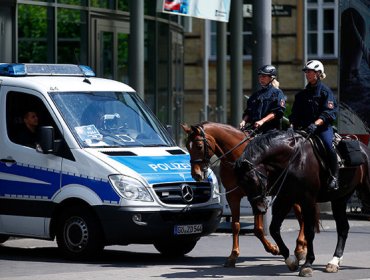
(216,187)
(130,188)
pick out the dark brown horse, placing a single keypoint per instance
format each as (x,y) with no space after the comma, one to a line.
(285,165)
(227,143)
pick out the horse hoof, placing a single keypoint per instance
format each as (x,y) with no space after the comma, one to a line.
(229,263)
(306,272)
(292,263)
(331,268)
(275,250)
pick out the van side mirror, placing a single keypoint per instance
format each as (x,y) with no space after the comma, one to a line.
(46,140)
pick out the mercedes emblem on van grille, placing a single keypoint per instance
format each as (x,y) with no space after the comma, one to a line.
(187,193)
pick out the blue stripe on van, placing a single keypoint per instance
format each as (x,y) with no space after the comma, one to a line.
(26,181)
(33,182)
(159,169)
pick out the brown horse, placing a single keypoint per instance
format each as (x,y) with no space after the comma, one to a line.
(289,160)
(227,143)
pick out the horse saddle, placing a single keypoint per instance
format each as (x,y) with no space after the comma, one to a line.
(347,149)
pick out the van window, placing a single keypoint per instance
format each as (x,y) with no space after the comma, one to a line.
(17,105)
(110,119)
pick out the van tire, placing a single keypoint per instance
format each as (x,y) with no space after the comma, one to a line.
(175,248)
(79,235)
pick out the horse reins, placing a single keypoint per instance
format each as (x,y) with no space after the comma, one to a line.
(265,192)
(285,171)
(207,160)
(206,146)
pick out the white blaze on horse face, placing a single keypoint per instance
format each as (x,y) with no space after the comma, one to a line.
(191,145)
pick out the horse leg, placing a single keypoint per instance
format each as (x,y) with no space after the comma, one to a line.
(234,203)
(259,233)
(279,211)
(342,225)
(309,219)
(301,245)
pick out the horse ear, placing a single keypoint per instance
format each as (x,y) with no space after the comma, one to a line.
(195,129)
(186,128)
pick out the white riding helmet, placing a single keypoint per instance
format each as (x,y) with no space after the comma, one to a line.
(314,65)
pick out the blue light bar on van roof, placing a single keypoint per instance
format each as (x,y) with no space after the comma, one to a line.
(25,69)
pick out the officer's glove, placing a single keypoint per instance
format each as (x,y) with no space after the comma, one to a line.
(242,125)
(311,128)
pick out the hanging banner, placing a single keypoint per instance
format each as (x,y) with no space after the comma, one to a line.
(207,9)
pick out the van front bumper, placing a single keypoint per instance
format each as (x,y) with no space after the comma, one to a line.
(140,225)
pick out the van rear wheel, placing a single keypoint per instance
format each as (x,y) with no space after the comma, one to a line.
(79,235)
(175,248)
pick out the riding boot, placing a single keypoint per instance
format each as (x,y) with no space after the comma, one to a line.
(334,170)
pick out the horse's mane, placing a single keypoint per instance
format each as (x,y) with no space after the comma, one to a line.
(262,144)
(225,127)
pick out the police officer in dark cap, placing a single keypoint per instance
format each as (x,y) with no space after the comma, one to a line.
(266,106)
(314,110)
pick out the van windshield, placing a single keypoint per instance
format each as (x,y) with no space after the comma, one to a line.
(110,119)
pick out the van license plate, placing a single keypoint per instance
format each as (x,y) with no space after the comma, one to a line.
(188,229)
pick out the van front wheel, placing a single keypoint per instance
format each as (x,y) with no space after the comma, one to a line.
(79,235)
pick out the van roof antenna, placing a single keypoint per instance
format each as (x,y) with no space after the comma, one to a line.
(86,80)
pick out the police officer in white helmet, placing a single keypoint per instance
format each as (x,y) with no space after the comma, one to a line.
(314,110)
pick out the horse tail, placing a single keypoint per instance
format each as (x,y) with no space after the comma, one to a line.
(363,190)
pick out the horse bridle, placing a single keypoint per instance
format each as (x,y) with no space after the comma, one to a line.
(261,178)
(205,161)
(265,193)
(206,158)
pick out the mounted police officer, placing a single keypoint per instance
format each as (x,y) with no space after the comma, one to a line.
(314,110)
(266,106)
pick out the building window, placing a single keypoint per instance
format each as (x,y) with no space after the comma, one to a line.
(322,28)
(37,33)
(73,2)
(33,37)
(247,35)
(72,36)
(247,39)
(105,4)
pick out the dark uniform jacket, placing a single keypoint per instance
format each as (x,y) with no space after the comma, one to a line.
(312,103)
(263,102)
(27,138)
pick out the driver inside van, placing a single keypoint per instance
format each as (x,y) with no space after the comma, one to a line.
(28,133)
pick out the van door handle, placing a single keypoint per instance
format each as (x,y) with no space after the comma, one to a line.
(8,161)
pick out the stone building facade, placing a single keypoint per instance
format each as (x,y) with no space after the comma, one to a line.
(289,32)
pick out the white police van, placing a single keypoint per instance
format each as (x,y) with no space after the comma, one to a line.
(104,170)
